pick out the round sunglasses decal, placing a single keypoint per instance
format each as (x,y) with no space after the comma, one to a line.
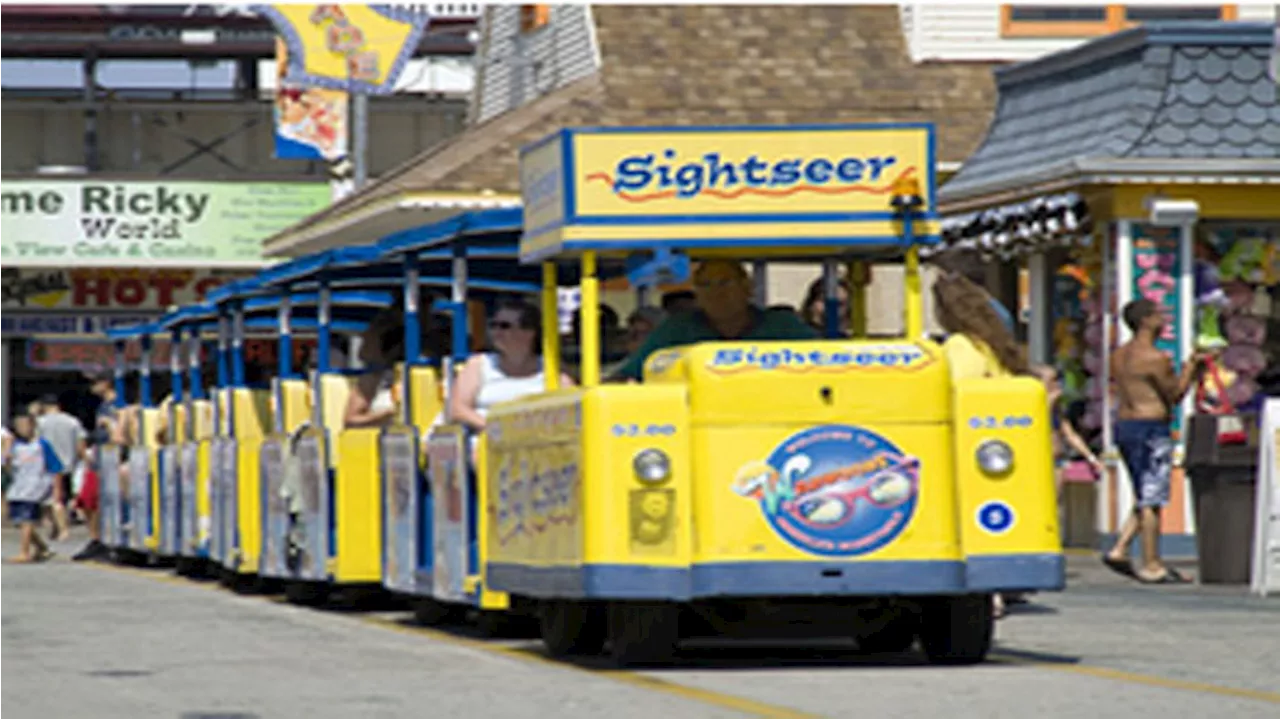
(834,490)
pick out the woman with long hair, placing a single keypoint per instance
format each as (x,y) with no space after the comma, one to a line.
(978,343)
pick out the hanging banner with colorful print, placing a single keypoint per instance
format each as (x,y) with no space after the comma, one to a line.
(310,122)
(1157,267)
(353,48)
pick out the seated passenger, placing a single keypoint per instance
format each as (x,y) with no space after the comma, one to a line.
(512,370)
(641,324)
(978,345)
(815,307)
(678,301)
(724,312)
(372,402)
(978,342)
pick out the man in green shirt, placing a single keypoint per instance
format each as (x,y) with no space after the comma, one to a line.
(724,313)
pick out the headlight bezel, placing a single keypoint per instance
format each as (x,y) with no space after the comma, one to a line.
(651,466)
(995,458)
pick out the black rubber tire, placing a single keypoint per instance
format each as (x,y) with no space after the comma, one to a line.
(573,628)
(306,594)
(505,625)
(957,630)
(430,613)
(895,637)
(246,584)
(643,633)
(191,567)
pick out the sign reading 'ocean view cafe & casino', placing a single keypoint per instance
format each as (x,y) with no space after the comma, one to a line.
(148,224)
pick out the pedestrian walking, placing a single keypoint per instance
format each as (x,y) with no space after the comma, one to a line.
(1148,391)
(67,437)
(33,463)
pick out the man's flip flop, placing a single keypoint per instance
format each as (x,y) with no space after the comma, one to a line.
(1119,566)
(1170,576)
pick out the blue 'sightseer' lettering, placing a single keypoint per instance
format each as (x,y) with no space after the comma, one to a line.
(771,359)
(640,171)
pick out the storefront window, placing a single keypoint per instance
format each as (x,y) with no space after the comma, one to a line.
(1095,20)
(1077,320)
(533,17)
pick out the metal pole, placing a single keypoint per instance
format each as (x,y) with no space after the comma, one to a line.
(4,379)
(1040,327)
(412,334)
(360,138)
(760,274)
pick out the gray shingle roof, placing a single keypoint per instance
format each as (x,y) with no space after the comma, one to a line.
(1163,91)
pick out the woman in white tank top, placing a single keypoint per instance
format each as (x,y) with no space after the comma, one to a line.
(512,370)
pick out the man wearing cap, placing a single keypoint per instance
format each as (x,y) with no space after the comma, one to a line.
(67,437)
(722,290)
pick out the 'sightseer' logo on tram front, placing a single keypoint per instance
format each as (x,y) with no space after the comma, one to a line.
(644,177)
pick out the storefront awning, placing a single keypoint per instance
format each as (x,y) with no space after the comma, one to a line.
(387,216)
(1008,230)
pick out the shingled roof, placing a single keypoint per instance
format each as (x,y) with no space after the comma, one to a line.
(692,65)
(1172,98)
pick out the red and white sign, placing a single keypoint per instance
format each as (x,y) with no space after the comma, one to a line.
(106,288)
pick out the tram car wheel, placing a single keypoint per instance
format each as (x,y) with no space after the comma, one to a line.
(192,568)
(643,633)
(505,625)
(895,632)
(573,628)
(431,613)
(307,594)
(957,630)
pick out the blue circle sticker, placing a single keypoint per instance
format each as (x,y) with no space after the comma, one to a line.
(995,517)
(834,490)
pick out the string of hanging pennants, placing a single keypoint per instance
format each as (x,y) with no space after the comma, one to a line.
(1021,228)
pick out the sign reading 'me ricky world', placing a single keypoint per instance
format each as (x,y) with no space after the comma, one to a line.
(810,189)
(148,224)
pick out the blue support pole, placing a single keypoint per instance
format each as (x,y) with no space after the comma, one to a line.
(175,365)
(194,380)
(121,363)
(324,338)
(144,373)
(237,344)
(412,333)
(224,354)
(458,295)
(285,349)
(831,294)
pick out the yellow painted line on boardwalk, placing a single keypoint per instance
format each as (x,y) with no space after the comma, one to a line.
(1146,679)
(705,696)
(724,701)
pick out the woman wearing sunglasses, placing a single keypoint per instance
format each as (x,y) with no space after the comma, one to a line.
(374,398)
(513,369)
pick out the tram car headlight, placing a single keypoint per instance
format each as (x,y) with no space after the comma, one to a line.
(995,457)
(652,465)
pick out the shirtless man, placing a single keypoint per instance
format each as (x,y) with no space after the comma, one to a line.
(1148,391)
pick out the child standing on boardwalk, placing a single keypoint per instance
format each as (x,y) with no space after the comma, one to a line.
(33,464)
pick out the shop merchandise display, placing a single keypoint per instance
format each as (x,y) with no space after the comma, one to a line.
(1237,279)
(1078,337)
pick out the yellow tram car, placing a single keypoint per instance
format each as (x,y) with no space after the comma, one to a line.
(758,487)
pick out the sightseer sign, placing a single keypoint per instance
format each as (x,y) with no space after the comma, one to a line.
(148,224)
(618,189)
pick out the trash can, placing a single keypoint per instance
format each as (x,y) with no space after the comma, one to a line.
(1224,490)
